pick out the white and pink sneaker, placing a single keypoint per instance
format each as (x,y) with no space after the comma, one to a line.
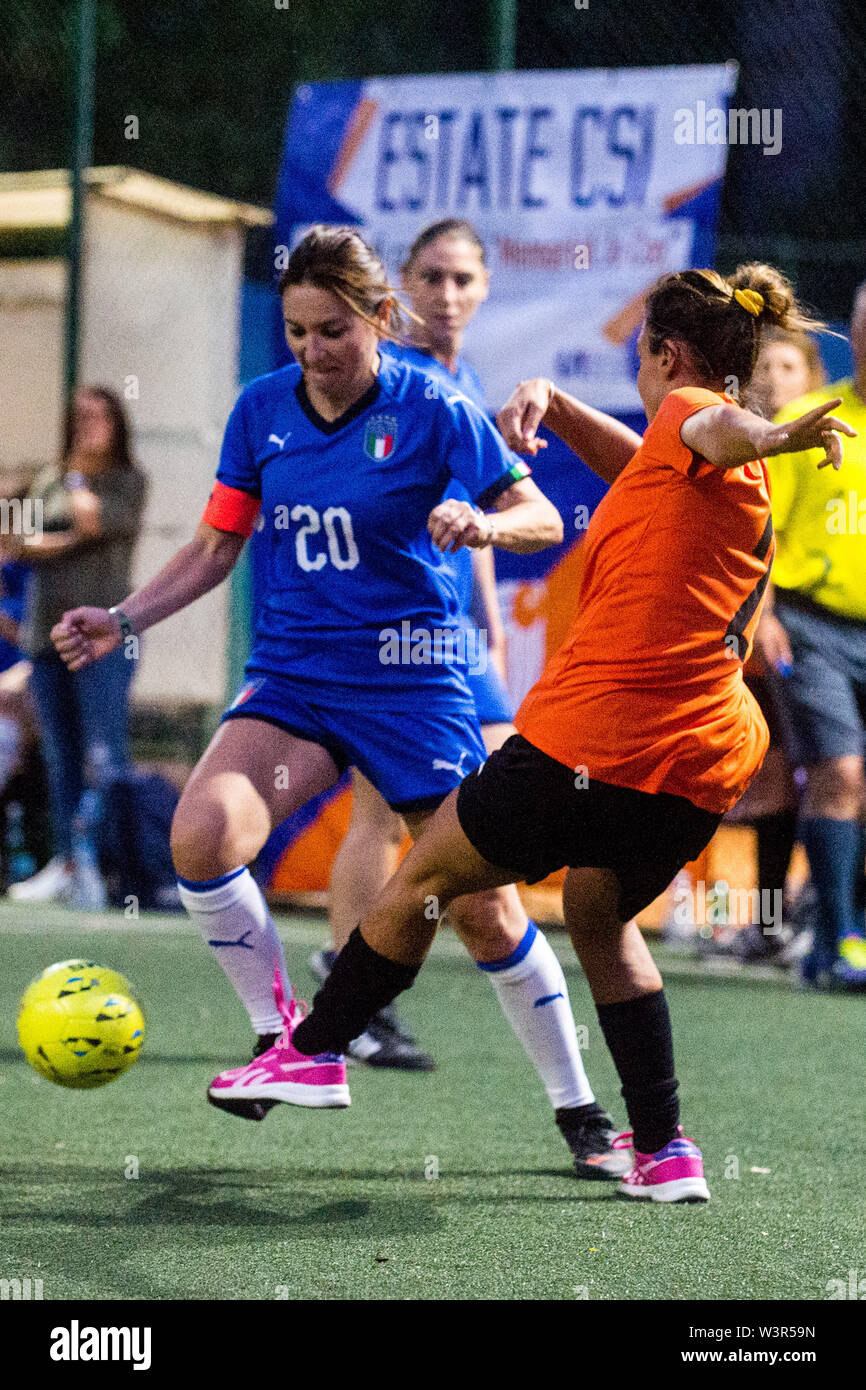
(282,1074)
(674,1174)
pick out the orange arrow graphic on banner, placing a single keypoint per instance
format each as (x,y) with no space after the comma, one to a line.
(362,118)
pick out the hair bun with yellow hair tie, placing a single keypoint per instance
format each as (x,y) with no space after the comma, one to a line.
(751,300)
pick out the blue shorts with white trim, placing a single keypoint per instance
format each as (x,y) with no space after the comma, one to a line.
(413,757)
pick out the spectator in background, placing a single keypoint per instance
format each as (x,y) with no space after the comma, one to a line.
(812,637)
(788,367)
(16,724)
(92,505)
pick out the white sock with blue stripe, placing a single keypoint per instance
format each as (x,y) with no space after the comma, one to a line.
(534,998)
(233,917)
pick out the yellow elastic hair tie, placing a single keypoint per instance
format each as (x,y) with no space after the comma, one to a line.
(751,300)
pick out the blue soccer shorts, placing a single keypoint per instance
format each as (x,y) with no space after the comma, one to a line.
(413,757)
(492,704)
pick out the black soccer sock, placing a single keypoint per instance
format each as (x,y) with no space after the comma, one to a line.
(361,982)
(638,1033)
(573,1116)
(776,835)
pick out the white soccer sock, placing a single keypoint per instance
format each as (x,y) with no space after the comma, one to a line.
(534,998)
(233,917)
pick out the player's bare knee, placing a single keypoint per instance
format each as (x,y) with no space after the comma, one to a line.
(201,842)
(486,921)
(835,788)
(416,889)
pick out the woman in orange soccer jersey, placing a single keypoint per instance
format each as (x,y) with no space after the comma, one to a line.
(640,732)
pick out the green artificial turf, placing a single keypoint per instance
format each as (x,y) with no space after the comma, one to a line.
(346,1204)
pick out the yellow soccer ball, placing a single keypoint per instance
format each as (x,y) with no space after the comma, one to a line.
(69,977)
(80,1039)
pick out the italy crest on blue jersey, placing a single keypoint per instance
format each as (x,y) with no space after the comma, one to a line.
(381,436)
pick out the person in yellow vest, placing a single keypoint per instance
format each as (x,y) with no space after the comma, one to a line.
(812,634)
(789,366)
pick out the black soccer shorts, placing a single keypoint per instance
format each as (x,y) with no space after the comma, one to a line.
(527,813)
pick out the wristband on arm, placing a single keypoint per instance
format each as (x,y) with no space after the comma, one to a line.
(489,539)
(123,622)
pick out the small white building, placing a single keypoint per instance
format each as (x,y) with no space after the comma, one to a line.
(160,319)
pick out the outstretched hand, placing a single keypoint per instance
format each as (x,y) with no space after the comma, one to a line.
(83,635)
(817,429)
(523,412)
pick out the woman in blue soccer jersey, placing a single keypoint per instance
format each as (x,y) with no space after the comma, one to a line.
(446,279)
(346,456)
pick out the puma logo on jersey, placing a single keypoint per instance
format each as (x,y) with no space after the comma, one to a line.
(275,439)
(439,764)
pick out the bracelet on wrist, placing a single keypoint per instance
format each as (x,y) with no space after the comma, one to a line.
(123,622)
(488,539)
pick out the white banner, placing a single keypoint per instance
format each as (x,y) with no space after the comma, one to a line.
(580,184)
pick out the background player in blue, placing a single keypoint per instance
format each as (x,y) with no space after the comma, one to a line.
(446,279)
(346,458)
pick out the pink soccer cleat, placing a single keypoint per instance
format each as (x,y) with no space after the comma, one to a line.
(674,1174)
(282,1074)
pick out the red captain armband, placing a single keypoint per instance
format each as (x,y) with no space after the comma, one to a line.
(230,509)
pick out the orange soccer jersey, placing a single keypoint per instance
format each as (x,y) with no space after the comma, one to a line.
(647,689)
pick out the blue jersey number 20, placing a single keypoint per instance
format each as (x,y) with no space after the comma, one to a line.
(342,550)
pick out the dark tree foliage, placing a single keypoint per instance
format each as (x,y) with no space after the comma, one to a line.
(210,82)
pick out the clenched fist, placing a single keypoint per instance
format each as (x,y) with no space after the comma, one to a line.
(454,524)
(83,635)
